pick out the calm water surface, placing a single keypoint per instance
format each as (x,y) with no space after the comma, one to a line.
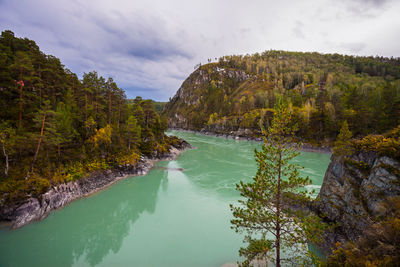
(166,218)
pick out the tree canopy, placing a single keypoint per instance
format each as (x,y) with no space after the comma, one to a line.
(56,127)
(275,230)
(323,90)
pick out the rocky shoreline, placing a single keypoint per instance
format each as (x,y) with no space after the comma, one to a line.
(241,135)
(34,209)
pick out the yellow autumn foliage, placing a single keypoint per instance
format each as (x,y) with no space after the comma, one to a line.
(102,136)
(130,158)
(385,145)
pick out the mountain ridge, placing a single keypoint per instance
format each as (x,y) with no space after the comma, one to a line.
(323,90)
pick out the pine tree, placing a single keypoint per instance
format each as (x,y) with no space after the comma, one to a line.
(342,146)
(133,131)
(265,215)
(43,114)
(54,127)
(7,141)
(23,66)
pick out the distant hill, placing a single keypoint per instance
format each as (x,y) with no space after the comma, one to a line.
(239,92)
(158,106)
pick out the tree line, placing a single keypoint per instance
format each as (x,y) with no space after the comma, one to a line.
(274,213)
(322,90)
(56,128)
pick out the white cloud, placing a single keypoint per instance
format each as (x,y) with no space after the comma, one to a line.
(150,47)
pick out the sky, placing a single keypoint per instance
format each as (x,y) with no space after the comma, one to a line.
(150,47)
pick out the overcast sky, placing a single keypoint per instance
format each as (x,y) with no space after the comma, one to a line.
(149,47)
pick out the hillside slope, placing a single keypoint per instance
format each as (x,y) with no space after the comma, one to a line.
(239,92)
(55,128)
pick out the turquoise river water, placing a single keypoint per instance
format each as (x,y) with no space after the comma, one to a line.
(169,217)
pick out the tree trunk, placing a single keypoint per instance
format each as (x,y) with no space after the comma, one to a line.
(119,112)
(278,213)
(109,108)
(95,109)
(54,98)
(40,87)
(85,106)
(39,142)
(20,107)
(6,156)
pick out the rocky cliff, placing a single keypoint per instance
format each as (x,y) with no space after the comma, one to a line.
(355,194)
(32,209)
(201,94)
(237,94)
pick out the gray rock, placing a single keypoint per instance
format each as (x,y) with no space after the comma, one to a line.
(359,195)
(34,209)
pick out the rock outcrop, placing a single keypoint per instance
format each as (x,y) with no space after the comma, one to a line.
(197,90)
(356,193)
(33,209)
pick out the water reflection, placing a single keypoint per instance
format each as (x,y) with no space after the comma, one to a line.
(171,217)
(85,229)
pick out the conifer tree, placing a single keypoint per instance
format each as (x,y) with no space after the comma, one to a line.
(133,131)
(43,115)
(342,146)
(7,141)
(54,127)
(273,229)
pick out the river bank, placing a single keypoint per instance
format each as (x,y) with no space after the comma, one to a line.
(17,215)
(179,202)
(241,135)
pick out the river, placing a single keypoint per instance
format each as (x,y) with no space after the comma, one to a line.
(177,215)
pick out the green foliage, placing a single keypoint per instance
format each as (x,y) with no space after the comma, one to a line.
(133,131)
(342,146)
(7,141)
(102,137)
(159,106)
(76,126)
(385,145)
(212,119)
(266,213)
(360,165)
(323,89)
(378,246)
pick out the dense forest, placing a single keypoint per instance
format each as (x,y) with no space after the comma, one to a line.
(323,90)
(56,128)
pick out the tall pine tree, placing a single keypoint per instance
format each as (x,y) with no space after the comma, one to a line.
(274,230)
(343,146)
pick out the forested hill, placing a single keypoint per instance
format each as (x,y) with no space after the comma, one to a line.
(323,90)
(56,128)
